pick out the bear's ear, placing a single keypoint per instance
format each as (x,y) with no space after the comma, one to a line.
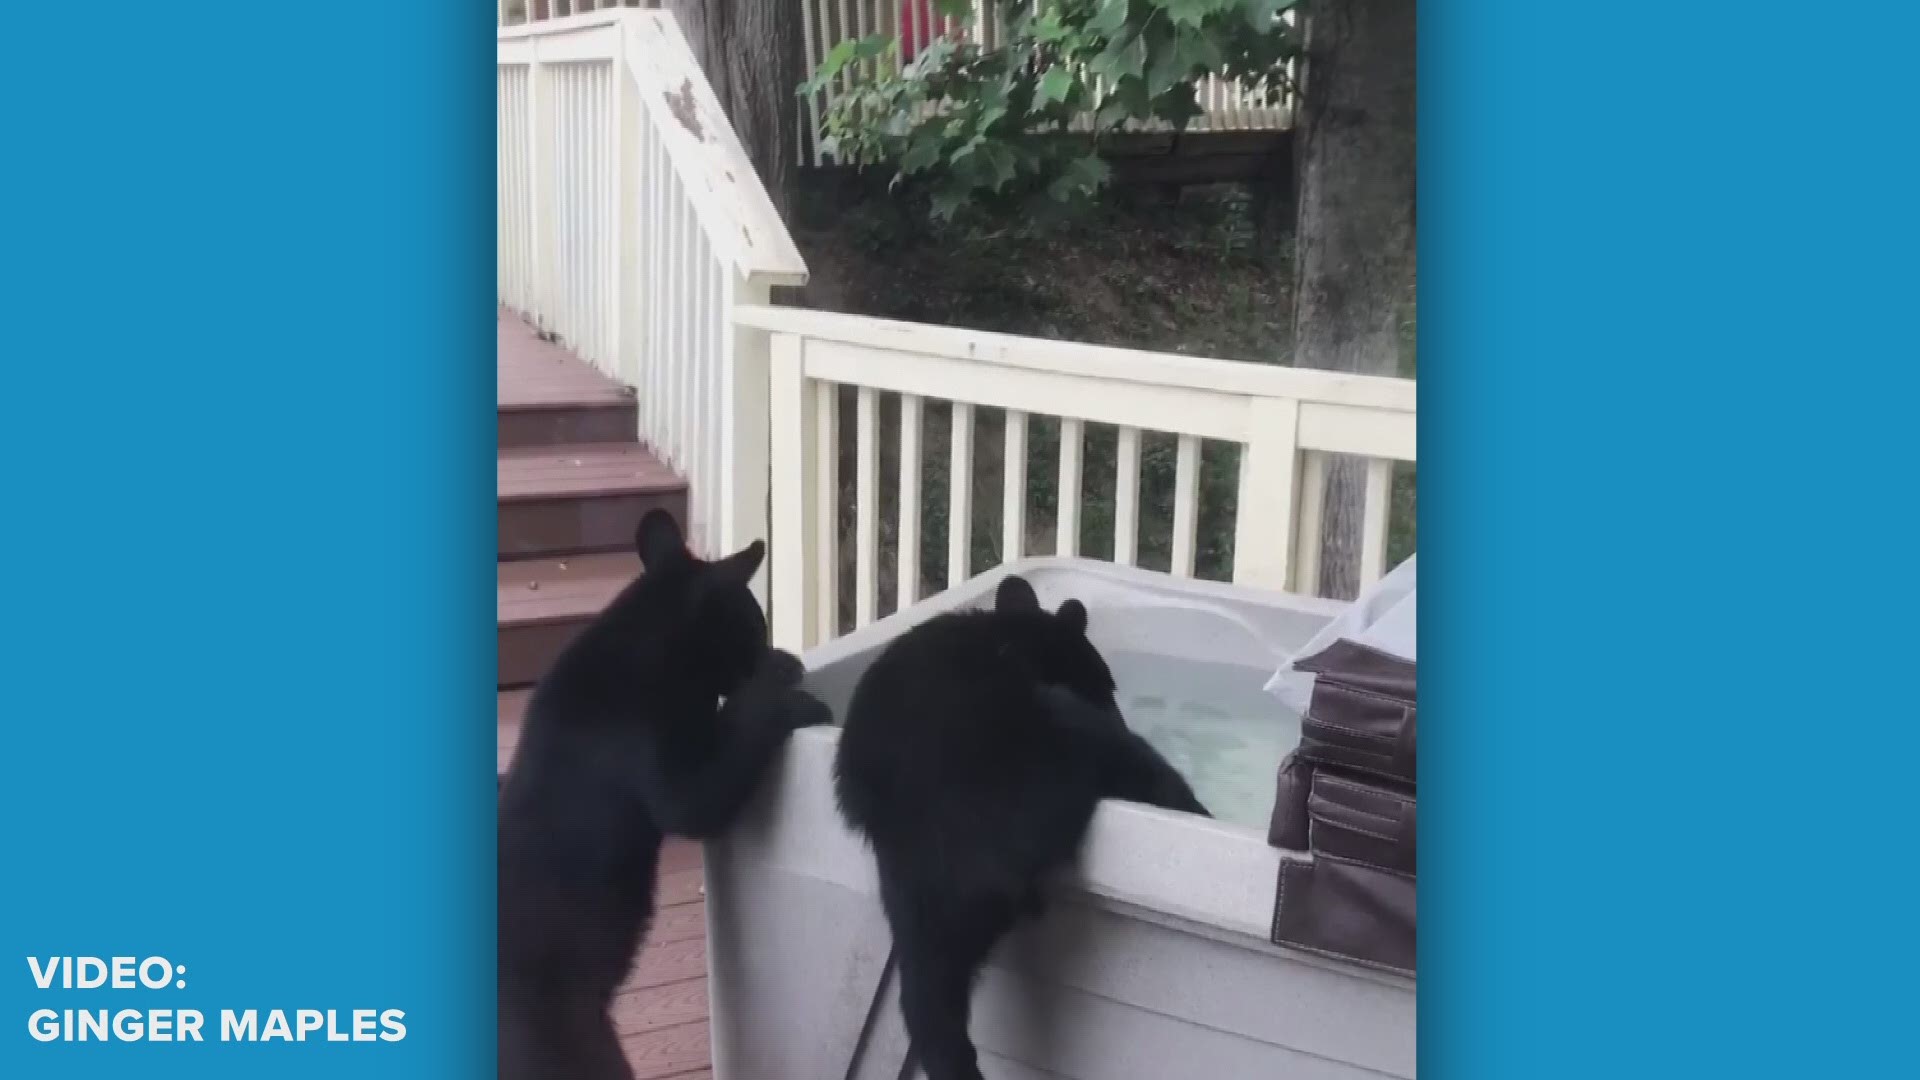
(1074,614)
(739,567)
(1014,594)
(658,541)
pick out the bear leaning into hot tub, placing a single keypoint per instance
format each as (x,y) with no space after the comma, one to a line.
(973,755)
(625,743)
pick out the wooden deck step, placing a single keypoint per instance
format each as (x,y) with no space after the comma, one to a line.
(562,422)
(535,376)
(580,498)
(544,602)
(548,397)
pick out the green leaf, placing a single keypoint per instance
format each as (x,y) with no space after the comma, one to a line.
(1113,112)
(1165,73)
(1000,163)
(947,203)
(1080,177)
(921,154)
(1133,92)
(1055,85)
(1199,51)
(1187,12)
(1123,57)
(1089,170)
(931,59)
(838,56)
(1111,17)
(1049,29)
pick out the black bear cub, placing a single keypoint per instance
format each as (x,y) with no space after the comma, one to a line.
(973,754)
(626,742)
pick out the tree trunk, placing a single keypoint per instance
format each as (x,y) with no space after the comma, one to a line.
(1354,257)
(750,51)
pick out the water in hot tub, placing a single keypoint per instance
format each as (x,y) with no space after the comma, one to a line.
(1215,724)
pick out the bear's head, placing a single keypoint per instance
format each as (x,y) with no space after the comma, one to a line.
(1053,645)
(722,633)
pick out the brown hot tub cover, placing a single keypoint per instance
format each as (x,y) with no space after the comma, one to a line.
(1346,797)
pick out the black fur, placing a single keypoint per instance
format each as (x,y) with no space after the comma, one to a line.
(625,743)
(974,752)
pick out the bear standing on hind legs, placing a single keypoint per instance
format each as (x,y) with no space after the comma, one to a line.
(627,742)
(973,755)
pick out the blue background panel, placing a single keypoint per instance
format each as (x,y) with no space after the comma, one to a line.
(246,432)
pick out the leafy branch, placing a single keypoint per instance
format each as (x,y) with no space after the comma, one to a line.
(978,125)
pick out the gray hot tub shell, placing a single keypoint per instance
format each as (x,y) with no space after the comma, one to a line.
(1152,963)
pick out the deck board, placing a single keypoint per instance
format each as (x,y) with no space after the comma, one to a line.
(536,374)
(676,1052)
(661,1011)
(669,962)
(556,472)
(533,591)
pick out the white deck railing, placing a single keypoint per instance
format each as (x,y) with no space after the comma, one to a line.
(631,224)
(1285,420)
(633,228)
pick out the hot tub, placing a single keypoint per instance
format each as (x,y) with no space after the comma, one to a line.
(1152,963)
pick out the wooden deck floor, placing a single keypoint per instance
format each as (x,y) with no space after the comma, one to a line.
(661,1014)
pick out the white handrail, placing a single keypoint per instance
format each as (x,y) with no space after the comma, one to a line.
(631,223)
(1079,358)
(1285,422)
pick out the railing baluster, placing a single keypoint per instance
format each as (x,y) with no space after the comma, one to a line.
(909,547)
(646,319)
(672,350)
(746,404)
(845,31)
(1373,523)
(659,360)
(793,446)
(1263,526)
(1067,522)
(611,234)
(1307,538)
(960,496)
(563,191)
(826,504)
(1126,497)
(1013,492)
(607,250)
(863,27)
(1186,504)
(866,507)
(576,212)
